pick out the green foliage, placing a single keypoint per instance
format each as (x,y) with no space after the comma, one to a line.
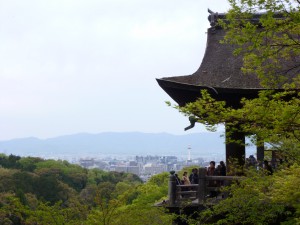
(206,110)
(161,180)
(96,176)
(74,175)
(134,203)
(155,189)
(11,209)
(273,116)
(147,215)
(270,50)
(10,161)
(267,52)
(141,210)
(29,163)
(106,205)
(259,199)
(36,191)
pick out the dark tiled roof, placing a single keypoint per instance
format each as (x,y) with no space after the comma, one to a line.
(220,72)
(219,67)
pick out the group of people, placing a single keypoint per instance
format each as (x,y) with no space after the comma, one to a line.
(252,162)
(193,178)
(212,170)
(186,180)
(220,170)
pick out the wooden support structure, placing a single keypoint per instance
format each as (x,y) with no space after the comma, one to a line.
(235,148)
(188,199)
(196,194)
(260,151)
(172,189)
(201,185)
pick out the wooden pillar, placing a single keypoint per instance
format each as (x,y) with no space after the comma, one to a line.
(172,189)
(235,148)
(260,151)
(202,185)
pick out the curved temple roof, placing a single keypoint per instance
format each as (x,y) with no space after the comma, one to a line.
(219,73)
(219,67)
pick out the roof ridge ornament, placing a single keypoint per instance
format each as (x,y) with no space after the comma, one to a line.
(213,17)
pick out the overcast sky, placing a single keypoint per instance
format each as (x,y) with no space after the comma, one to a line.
(71,66)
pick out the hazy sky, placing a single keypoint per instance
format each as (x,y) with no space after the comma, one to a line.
(71,66)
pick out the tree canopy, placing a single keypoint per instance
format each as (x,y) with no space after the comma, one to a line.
(39,191)
(271,44)
(266,33)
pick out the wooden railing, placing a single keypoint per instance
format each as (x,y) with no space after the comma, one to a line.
(197,193)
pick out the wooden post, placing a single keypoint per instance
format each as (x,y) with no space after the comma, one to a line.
(235,149)
(260,151)
(202,185)
(172,189)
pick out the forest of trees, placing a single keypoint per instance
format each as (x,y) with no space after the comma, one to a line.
(38,191)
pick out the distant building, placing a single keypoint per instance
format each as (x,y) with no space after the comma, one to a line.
(133,169)
(152,169)
(128,169)
(133,163)
(168,159)
(100,164)
(87,163)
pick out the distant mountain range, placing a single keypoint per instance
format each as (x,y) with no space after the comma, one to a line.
(109,143)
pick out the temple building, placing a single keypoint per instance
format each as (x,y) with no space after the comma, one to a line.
(221,75)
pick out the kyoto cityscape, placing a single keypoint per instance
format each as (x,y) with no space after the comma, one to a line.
(150,112)
(144,166)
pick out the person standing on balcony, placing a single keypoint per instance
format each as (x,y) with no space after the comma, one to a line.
(178,181)
(222,168)
(185,179)
(211,171)
(194,178)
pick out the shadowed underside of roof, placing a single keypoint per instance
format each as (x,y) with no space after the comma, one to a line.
(183,93)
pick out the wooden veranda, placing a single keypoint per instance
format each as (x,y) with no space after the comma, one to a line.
(197,194)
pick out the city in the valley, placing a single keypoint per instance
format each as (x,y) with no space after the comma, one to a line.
(144,166)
